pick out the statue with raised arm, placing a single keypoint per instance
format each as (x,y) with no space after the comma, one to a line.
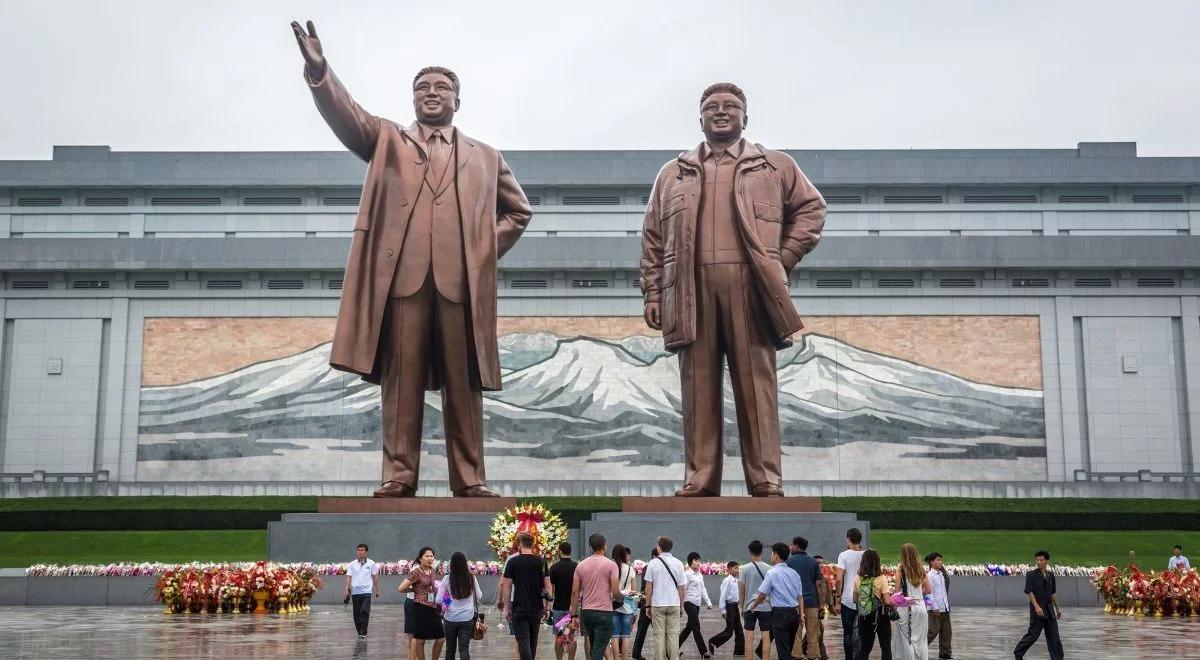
(726,223)
(418,308)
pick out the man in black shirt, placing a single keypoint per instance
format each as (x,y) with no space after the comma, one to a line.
(525,577)
(562,574)
(1044,612)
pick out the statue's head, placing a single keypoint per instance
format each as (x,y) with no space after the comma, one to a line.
(723,112)
(435,95)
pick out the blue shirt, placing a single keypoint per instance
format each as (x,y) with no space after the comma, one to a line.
(809,572)
(782,586)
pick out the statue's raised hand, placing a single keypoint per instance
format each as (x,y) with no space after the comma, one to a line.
(310,48)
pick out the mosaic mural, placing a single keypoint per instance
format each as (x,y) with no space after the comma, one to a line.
(865,398)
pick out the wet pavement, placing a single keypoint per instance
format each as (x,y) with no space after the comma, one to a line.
(327,632)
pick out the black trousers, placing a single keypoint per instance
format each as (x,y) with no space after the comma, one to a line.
(361,604)
(784,621)
(733,628)
(525,627)
(870,627)
(1036,625)
(458,638)
(643,627)
(849,623)
(692,627)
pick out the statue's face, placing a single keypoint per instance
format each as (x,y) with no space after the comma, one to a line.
(723,117)
(434,99)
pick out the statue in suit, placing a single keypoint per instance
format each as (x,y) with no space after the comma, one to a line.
(418,308)
(726,223)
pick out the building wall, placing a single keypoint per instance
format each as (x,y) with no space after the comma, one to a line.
(979,323)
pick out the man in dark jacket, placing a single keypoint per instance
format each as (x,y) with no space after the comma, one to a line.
(725,225)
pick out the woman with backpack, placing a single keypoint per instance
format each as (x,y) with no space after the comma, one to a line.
(872,595)
(912,629)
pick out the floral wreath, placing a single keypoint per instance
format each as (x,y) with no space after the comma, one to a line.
(547,528)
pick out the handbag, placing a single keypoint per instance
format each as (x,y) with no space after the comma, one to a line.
(480,626)
(890,610)
(623,601)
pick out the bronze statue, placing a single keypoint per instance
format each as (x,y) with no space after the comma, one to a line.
(725,225)
(418,308)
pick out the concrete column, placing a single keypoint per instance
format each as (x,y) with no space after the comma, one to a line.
(113,391)
(1069,389)
(1190,315)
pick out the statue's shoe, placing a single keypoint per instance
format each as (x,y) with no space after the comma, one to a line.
(476,491)
(692,490)
(395,489)
(766,490)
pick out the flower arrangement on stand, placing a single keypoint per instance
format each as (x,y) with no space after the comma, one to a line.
(232,588)
(1133,591)
(547,528)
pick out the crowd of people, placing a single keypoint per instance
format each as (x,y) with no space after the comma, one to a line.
(772,609)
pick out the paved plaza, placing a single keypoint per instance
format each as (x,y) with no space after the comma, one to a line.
(327,632)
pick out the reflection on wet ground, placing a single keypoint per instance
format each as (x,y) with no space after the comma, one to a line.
(327,632)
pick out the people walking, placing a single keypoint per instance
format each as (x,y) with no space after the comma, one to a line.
(593,591)
(362,581)
(805,644)
(755,616)
(939,615)
(783,589)
(459,595)
(911,641)
(643,624)
(562,577)
(827,601)
(730,604)
(695,595)
(1044,611)
(871,595)
(526,578)
(427,620)
(623,617)
(847,570)
(664,591)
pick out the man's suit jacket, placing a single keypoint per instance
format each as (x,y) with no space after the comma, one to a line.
(494,213)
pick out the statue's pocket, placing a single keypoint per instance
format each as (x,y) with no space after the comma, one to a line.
(768,222)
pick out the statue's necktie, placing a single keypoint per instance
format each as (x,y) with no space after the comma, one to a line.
(439,156)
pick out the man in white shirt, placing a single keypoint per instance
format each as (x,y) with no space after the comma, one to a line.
(664,592)
(730,602)
(1177,560)
(939,615)
(847,570)
(362,579)
(694,596)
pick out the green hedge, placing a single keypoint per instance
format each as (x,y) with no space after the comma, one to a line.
(147,513)
(174,513)
(1033,514)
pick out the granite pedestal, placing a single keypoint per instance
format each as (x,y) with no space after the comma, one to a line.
(723,536)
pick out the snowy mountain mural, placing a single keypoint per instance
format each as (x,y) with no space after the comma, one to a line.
(583,403)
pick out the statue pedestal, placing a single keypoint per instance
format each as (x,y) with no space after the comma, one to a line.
(393,528)
(492,505)
(720,528)
(717,527)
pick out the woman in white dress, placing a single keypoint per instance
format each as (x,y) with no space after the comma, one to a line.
(910,641)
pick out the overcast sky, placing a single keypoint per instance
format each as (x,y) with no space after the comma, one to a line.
(176,76)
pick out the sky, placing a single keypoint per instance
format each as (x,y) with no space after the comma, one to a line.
(168,75)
